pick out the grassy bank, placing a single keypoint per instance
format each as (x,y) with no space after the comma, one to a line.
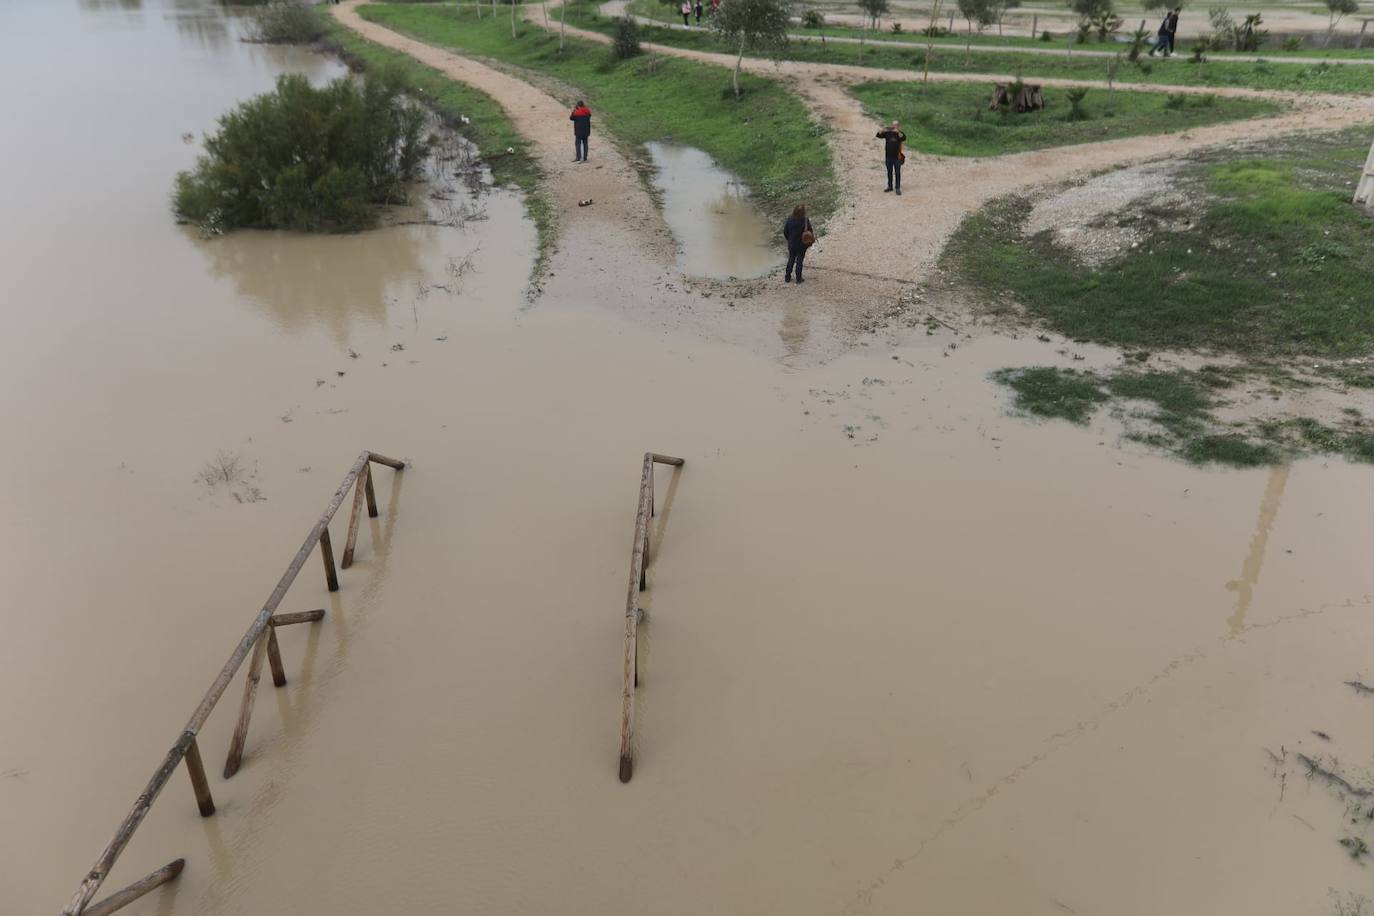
(767,138)
(1274,262)
(1264,260)
(952,119)
(487,125)
(1309,76)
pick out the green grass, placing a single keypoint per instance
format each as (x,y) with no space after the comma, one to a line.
(767,138)
(488,128)
(1277,263)
(1313,76)
(1054,393)
(952,119)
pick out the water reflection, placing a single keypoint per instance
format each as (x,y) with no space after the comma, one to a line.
(1244,587)
(205,29)
(331,281)
(719,231)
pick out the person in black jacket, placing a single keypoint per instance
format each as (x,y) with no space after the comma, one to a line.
(582,129)
(893,155)
(793,230)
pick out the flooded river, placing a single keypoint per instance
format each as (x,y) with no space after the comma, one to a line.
(903,653)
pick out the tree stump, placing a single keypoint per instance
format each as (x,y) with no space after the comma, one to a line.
(1030,98)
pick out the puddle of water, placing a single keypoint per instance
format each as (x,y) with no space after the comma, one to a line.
(904,653)
(719,232)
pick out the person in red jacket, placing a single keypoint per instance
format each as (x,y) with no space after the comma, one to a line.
(582,129)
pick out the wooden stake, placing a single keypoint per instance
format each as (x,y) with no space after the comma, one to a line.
(274,659)
(195,768)
(371,494)
(327,555)
(354,518)
(250,693)
(131,893)
(285,620)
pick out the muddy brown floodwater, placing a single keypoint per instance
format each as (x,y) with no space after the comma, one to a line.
(719,231)
(904,652)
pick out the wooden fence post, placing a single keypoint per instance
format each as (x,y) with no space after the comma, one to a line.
(1035,26)
(120,899)
(250,693)
(371,494)
(195,767)
(274,659)
(327,554)
(355,517)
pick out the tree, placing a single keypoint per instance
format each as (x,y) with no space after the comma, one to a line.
(1001,7)
(982,12)
(1338,9)
(872,10)
(753,25)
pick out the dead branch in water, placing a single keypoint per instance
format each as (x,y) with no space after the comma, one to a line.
(1331,776)
(1360,687)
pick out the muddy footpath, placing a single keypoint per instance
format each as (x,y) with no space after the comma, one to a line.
(904,652)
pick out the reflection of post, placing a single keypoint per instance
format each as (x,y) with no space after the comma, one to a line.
(1244,587)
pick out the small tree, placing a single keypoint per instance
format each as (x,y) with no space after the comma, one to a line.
(1000,7)
(1096,14)
(981,12)
(625,43)
(753,25)
(873,9)
(1338,9)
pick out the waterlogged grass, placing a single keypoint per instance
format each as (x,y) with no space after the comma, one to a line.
(767,138)
(1056,393)
(487,125)
(952,119)
(1277,263)
(1299,75)
(1174,410)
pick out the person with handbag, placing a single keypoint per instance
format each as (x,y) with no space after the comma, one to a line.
(800,236)
(893,155)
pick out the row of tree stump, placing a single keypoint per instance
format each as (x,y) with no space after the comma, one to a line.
(1028,97)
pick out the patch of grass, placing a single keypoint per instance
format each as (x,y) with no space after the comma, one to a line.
(1054,393)
(486,125)
(767,138)
(1230,449)
(1277,263)
(952,119)
(1283,71)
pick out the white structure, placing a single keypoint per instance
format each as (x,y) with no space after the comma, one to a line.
(1364,191)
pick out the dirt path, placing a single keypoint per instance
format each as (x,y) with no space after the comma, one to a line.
(618,7)
(623,216)
(879,235)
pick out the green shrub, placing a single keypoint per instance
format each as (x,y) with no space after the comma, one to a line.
(896,28)
(1292,43)
(625,43)
(1046,36)
(286,22)
(1076,110)
(307,159)
(1175,100)
(813,19)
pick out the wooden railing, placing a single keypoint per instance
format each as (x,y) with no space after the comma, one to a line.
(260,640)
(639,569)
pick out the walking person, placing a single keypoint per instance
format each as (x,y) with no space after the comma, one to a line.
(699,9)
(893,156)
(686,12)
(800,236)
(581,118)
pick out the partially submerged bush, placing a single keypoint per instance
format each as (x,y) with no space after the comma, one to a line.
(286,22)
(307,159)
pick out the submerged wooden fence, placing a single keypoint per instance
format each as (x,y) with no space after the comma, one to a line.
(639,569)
(261,641)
